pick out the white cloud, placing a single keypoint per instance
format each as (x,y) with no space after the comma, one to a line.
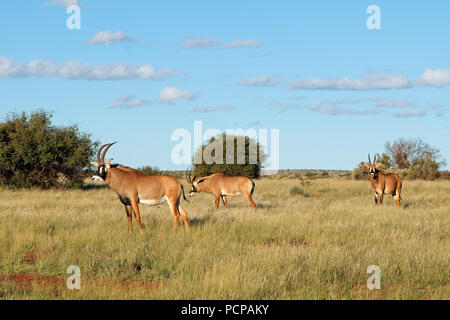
(74,70)
(203,42)
(255,123)
(284,106)
(374,81)
(367,82)
(387,103)
(437,77)
(107,37)
(198,109)
(61,3)
(364,106)
(410,114)
(198,42)
(170,94)
(438,108)
(251,43)
(127,101)
(260,81)
(328,107)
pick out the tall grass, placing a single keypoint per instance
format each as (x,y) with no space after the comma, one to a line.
(290,247)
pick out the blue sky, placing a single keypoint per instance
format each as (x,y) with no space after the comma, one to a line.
(138,70)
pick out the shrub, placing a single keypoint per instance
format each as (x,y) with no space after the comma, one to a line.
(445,175)
(360,172)
(404,152)
(310,174)
(426,169)
(295,191)
(34,153)
(150,170)
(423,163)
(219,143)
(324,174)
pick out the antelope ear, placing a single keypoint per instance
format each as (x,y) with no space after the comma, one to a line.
(365,164)
(108,163)
(379,164)
(94,163)
(201,180)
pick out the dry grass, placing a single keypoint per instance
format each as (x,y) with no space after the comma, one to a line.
(290,247)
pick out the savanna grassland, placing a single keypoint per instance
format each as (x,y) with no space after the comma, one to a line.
(313,243)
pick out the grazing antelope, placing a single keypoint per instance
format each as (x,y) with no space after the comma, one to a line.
(133,188)
(389,183)
(221,186)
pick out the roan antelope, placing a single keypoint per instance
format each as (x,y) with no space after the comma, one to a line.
(133,188)
(221,186)
(389,183)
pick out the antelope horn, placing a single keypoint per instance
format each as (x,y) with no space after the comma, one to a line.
(98,153)
(104,152)
(369,158)
(188,178)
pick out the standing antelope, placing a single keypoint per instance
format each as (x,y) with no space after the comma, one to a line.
(221,186)
(133,188)
(389,183)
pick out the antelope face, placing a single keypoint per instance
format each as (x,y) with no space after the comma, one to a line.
(194,184)
(102,167)
(100,174)
(373,171)
(373,168)
(192,191)
(194,187)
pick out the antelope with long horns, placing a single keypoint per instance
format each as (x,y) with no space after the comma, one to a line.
(389,183)
(133,188)
(221,186)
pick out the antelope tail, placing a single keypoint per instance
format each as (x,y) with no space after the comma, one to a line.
(253,188)
(184,196)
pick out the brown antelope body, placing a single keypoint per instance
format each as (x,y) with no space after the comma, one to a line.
(221,186)
(133,188)
(389,183)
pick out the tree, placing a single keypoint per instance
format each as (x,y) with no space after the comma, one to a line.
(424,168)
(34,153)
(149,170)
(245,158)
(404,152)
(384,159)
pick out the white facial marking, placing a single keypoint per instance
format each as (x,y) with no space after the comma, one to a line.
(96,178)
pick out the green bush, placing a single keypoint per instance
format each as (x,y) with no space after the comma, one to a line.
(360,172)
(423,167)
(310,174)
(150,170)
(251,170)
(34,153)
(426,169)
(324,174)
(296,191)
